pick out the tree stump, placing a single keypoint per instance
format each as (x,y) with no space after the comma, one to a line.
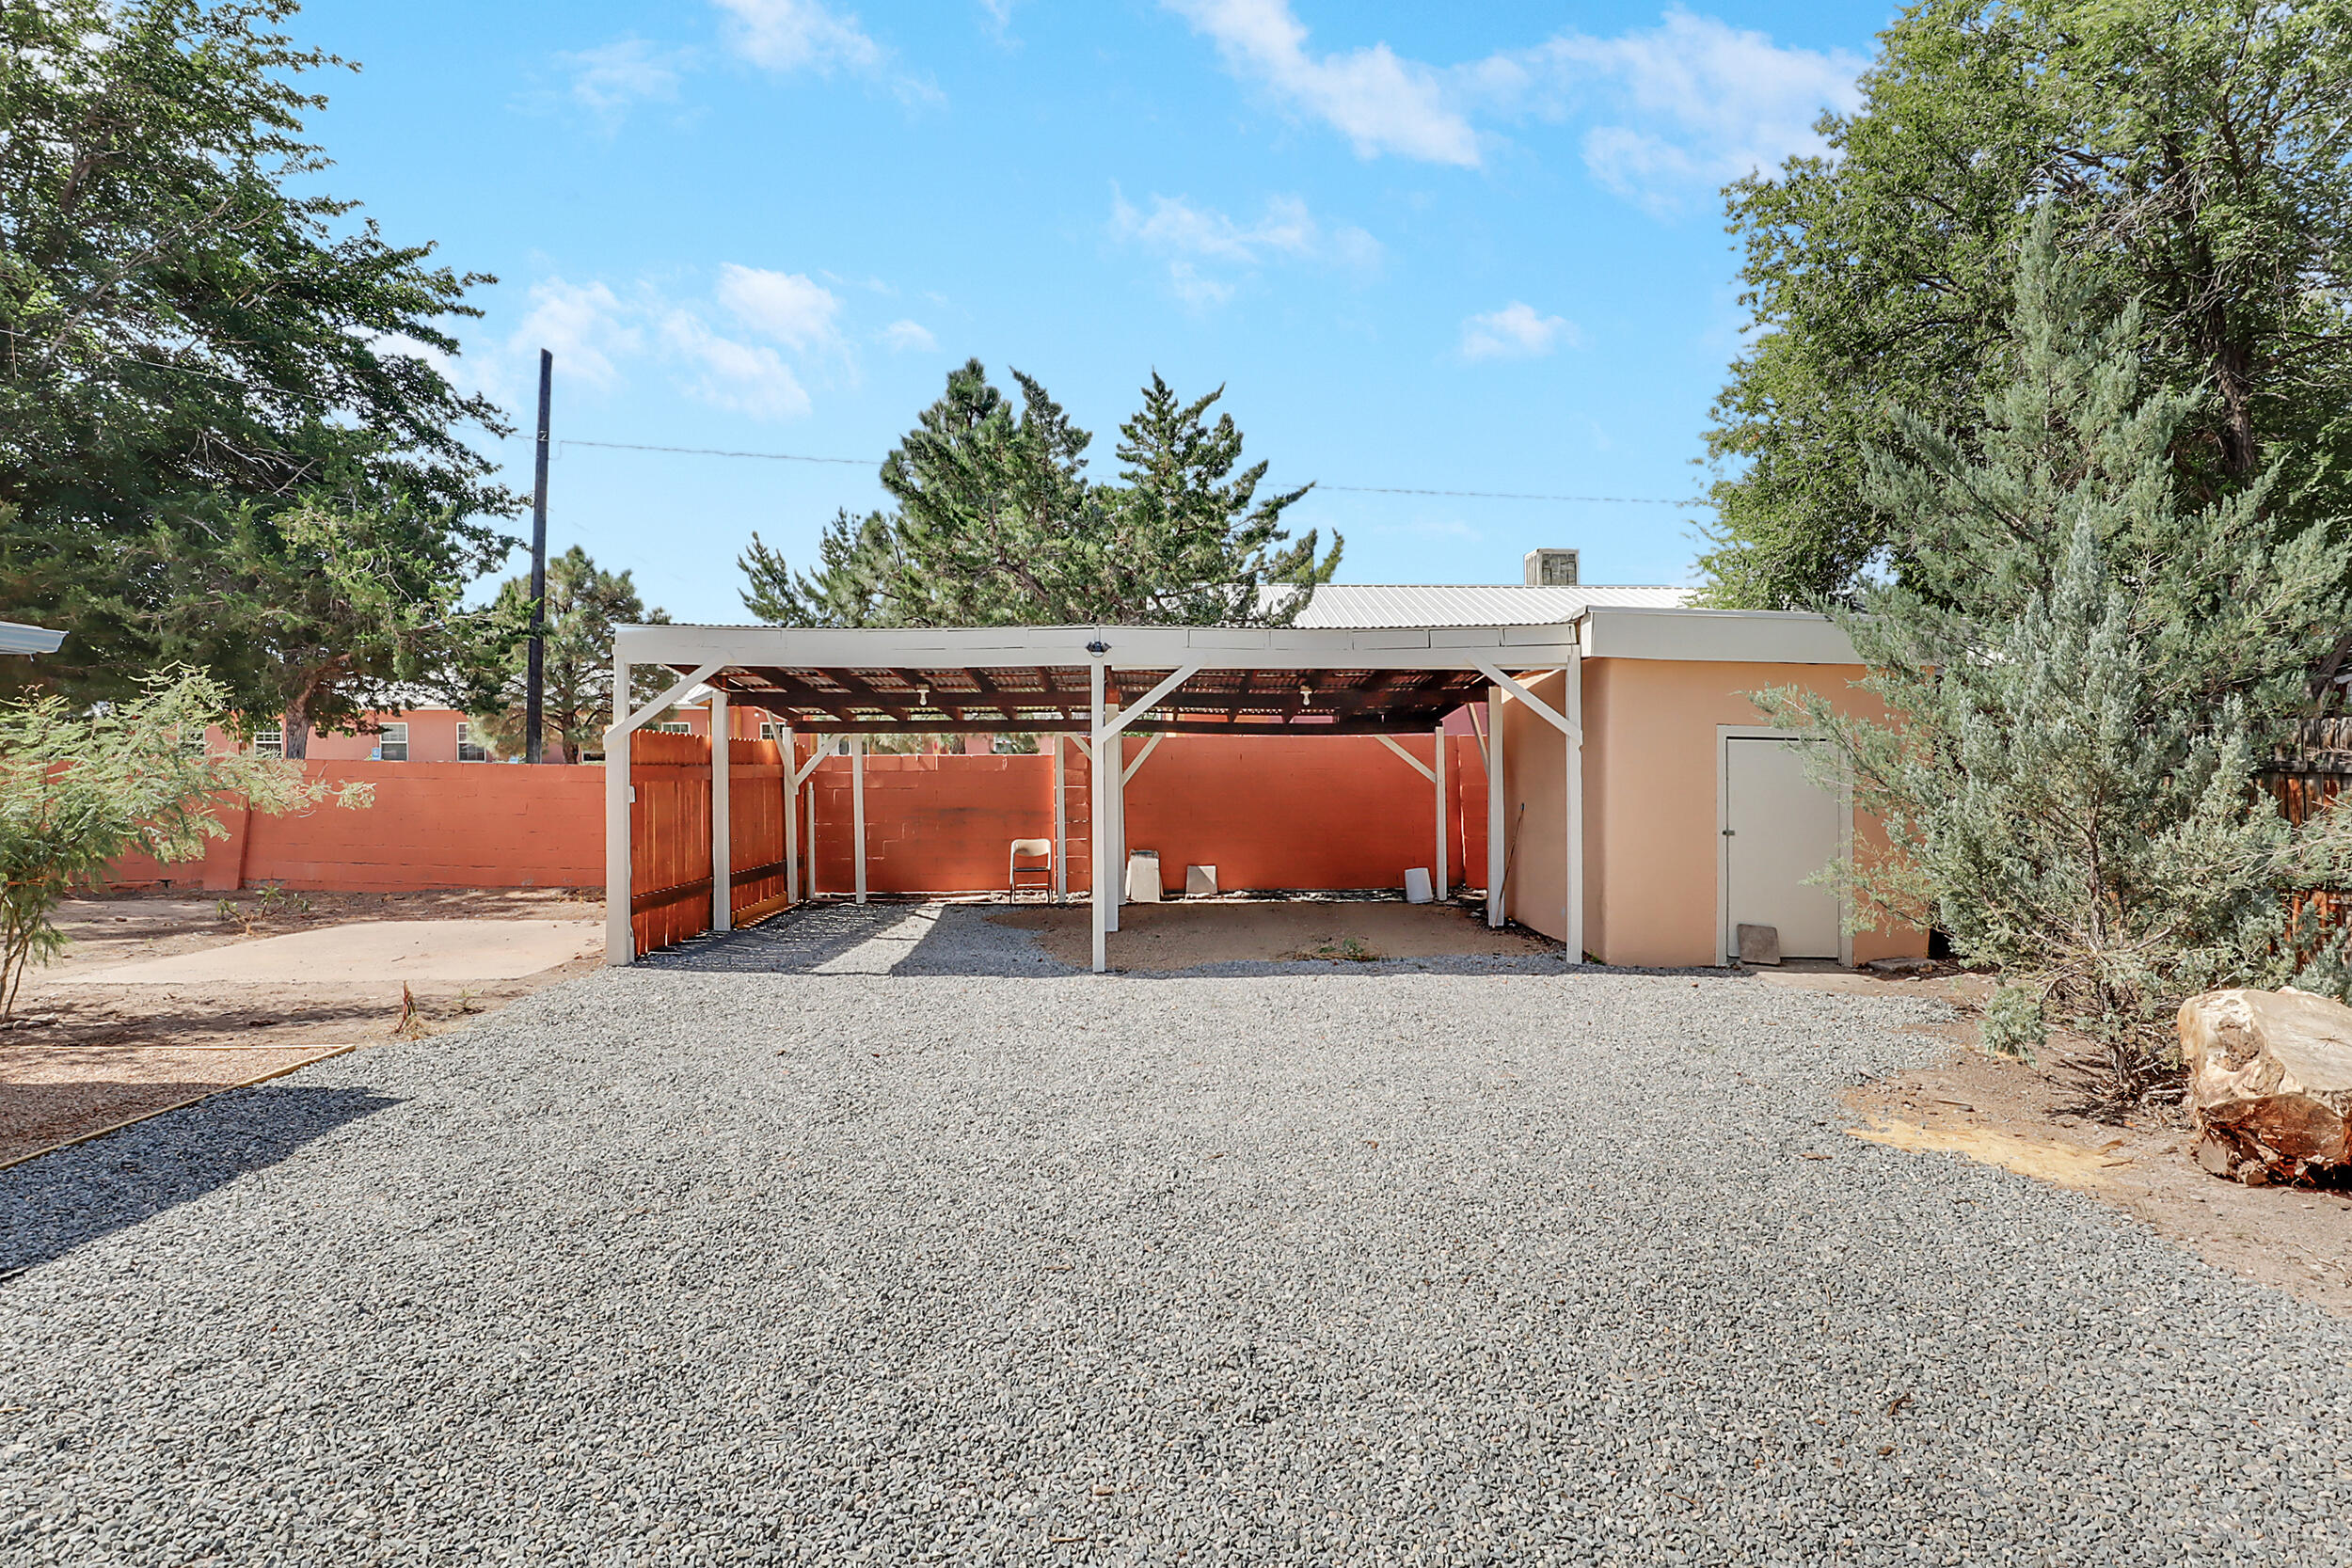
(2269,1082)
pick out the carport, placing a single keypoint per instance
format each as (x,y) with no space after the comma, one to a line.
(1091,685)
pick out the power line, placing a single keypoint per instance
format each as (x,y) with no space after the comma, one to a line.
(715,452)
(1511,496)
(1350,489)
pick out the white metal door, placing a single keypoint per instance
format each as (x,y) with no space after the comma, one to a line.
(1783,827)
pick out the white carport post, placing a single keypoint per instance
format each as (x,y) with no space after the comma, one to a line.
(722,823)
(791,818)
(857,809)
(620,940)
(1437,776)
(1097,818)
(1061,828)
(1495,858)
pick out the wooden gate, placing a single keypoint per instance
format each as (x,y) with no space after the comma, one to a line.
(670,878)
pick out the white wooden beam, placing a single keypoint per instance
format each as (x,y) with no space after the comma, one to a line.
(1536,705)
(1129,776)
(1061,827)
(722,823)
(620,937)
(1495,858)
(638,719)
(1411,761)
(1152,698)
(1572,698)
(1437,777)
(791,782)
(857,809)
(1098,787)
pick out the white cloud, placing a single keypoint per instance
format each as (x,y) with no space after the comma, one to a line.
(748,378)
(786,35)
(585,324)
(1669,110)
(608,80)
(1198,239)
(800,34)
(785,305)
(901,336)
(1694,102)
(1517,331)
(1380,102)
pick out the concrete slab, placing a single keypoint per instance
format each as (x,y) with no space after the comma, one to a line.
(370,951)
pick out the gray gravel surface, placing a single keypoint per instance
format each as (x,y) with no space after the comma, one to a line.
(947,1255)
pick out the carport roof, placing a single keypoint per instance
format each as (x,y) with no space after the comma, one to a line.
(1244,680)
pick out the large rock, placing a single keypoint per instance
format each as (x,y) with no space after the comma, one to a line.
(2269,1082)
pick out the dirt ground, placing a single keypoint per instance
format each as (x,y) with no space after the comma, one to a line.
(2024,1118)
(1226,930)
(83,1054)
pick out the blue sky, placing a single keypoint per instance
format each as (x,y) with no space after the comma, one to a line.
(1444,248)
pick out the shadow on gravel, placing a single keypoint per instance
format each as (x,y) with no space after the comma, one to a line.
(875,939)
(56,1202)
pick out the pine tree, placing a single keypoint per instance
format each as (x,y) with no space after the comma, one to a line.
(2083,675)
(997,524)
(584,604)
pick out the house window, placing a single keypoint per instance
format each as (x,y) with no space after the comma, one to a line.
(675,727)
(270,742)
(394,747)
(467,750)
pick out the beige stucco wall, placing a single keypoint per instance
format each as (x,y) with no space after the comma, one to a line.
(1534,834)
(1651,840)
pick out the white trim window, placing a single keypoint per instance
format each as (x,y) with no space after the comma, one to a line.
(270,742)
(393,745)
(676,726)
(467,750)
(773,729)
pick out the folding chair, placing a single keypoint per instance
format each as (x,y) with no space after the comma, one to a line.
(1042,865)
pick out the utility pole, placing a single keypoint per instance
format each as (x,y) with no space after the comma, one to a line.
(534,682)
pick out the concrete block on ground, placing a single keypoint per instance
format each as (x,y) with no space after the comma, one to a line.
(1200,881)
(1759,945)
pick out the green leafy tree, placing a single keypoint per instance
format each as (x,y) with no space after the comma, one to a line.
(996,524)
(2083,669)
(322,615)
(82,788)
(200,355)
(584,604)
(2197,160)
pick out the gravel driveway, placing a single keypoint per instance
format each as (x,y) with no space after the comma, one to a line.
(941,1253)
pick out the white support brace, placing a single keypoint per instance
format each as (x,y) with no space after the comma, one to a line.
(1411,761)
(1478,730)
(721,819)
(857,809)
(1536,705)
(1085,749)
(813,759)
(1129,776)
(1151,700)
(637,720)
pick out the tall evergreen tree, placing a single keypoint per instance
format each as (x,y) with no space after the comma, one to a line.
(201,356)
(2083,670)
(2197,158)
(997,524)
(584,604)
